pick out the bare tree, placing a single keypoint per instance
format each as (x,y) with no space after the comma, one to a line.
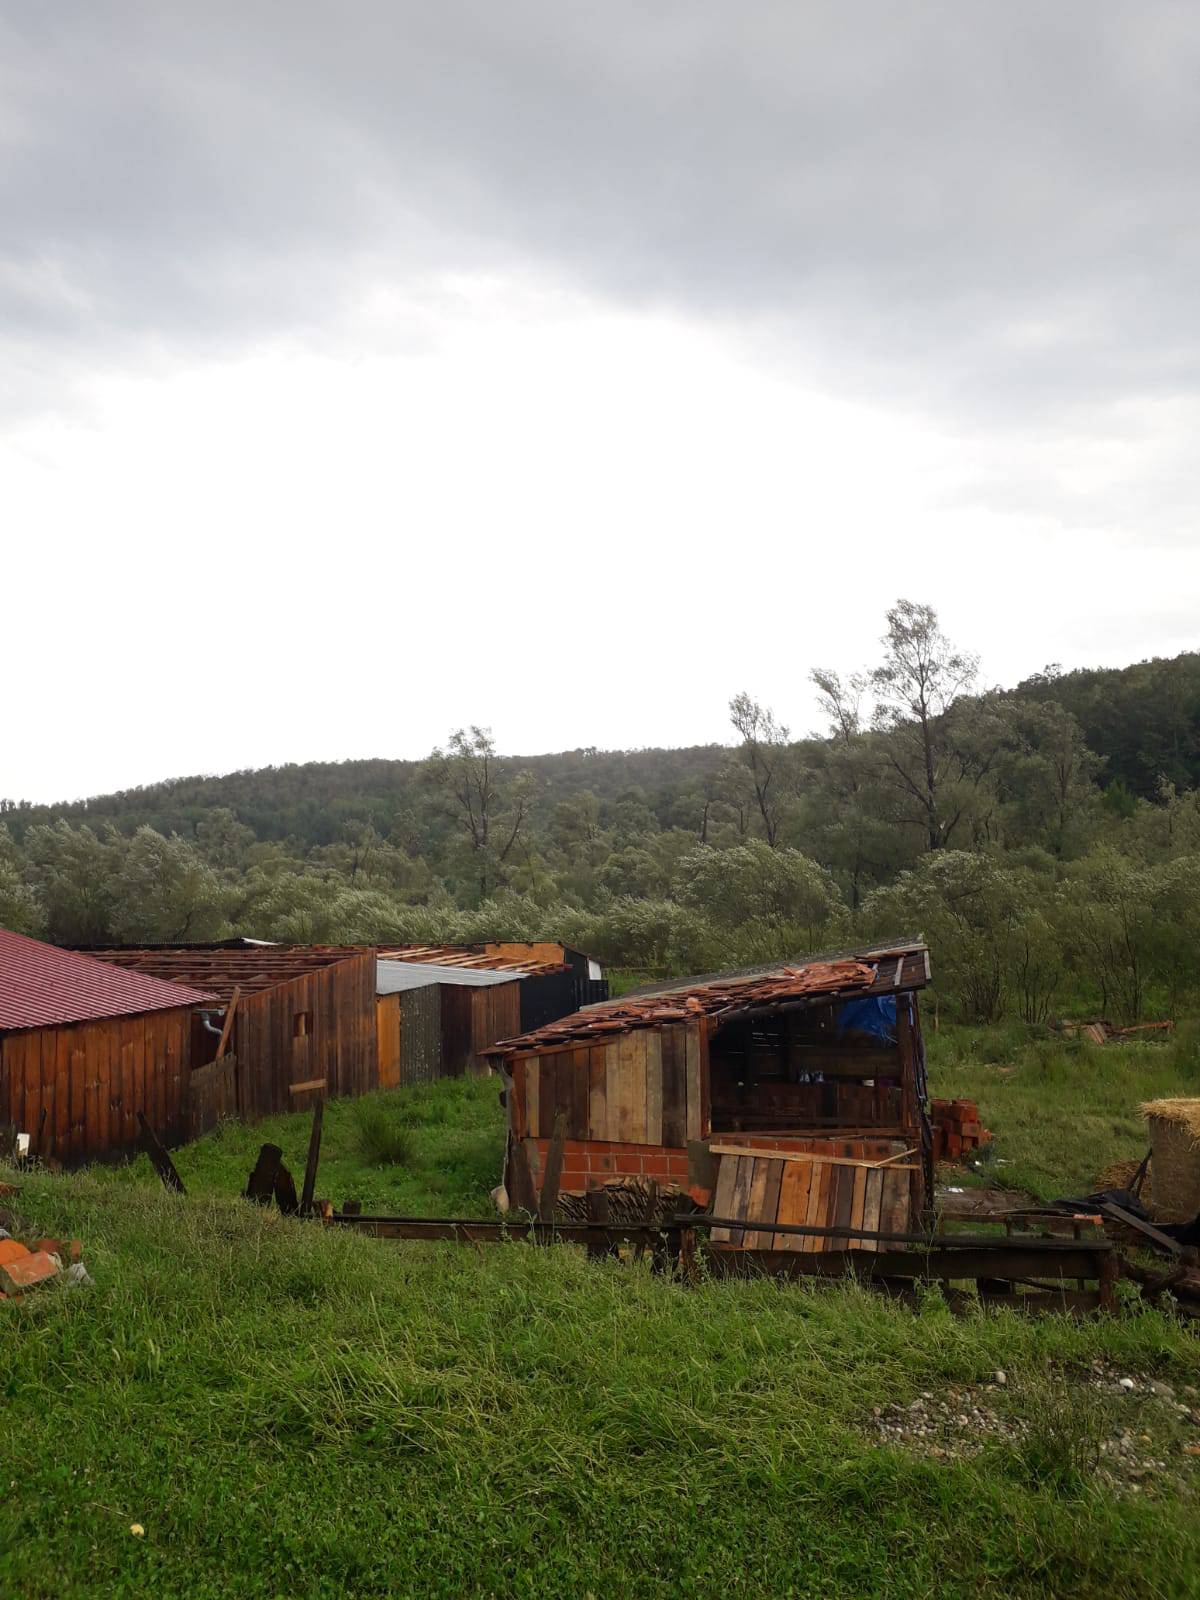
(764,755)
(492,814)
(916,688)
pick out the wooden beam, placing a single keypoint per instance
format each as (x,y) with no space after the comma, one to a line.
(467,1230)
(762,1154)
(1163,1240)
(314,1156)
(161,1161)
(554,1165)
(303,1088)
(227,1024)
(950,1241)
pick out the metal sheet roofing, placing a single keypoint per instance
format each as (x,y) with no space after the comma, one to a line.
(881,972)
(42,986)
(394,977)
(471,958)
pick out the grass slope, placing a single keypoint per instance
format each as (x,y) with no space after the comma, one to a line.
(288,1410)
(1061,1109)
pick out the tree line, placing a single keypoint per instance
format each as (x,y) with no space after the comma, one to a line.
(1047,870)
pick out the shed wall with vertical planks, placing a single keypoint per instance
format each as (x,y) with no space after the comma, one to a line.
(92,1078)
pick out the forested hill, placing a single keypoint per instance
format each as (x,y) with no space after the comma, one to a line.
(1045,838)
(1142,720)
(311,803)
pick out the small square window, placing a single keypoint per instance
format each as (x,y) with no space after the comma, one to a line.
(301,1024)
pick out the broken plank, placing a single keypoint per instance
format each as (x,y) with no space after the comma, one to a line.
(314,1156)
(159,1158)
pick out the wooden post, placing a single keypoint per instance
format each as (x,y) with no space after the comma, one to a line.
(687,1255)
(162,1162)
(1108,1274)
(599,1244)
(314,1155)
(648,1216)
(285,1191)
(522,1191)
(554,1164)
(261,1184)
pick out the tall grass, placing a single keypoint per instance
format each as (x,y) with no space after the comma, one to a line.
(288,1409)
(1062,1108)
(384,1138)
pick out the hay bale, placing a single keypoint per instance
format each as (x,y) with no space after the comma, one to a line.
(1120,1175)
(1175,1143)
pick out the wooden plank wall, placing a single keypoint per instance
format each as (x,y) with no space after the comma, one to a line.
(642,1087)
(847,1190)
(93,1078)
(495,1014)
(212,1093)
(341,1045)
(473,1018)
(387,1039)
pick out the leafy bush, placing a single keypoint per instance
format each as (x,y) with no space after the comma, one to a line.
(383,1137)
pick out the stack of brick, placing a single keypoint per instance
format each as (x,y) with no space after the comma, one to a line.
(957,1129)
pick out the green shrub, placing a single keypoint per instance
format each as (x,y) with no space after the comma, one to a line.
(384,1139)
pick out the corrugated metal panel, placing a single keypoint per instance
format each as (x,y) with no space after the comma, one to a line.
(393,977)
(421,1035)
(42,986)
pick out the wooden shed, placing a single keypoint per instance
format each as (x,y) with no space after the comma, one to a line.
(436,1021)
(791,1094)
(84,1047)
(303,1024)
(554,979)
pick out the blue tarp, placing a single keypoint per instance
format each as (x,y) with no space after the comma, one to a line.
(876,1016)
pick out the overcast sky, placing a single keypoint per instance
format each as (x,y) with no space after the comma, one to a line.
(371,368)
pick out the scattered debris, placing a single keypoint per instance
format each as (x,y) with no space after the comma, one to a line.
(24,1267)
(1104,1032)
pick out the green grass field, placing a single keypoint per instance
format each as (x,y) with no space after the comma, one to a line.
(286,1410)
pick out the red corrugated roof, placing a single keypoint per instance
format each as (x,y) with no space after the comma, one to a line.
(42,986)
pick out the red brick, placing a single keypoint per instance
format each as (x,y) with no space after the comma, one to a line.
(657,1166)
(26,1273)
(10,1250)
(65,1249)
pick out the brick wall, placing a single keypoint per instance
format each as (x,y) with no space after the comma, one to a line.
(588,1164)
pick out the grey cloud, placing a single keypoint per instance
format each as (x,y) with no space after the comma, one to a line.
(988,208)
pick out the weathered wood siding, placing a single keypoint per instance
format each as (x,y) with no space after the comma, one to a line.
(472,1019)
(387,1039)
(825,1184)
(336,1040)
(212,1093)
(92,1078)
(643,1087)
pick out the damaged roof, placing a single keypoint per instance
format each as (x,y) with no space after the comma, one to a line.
(470,959)
(221,971)
(396,977)
(879,971)
(42,986)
